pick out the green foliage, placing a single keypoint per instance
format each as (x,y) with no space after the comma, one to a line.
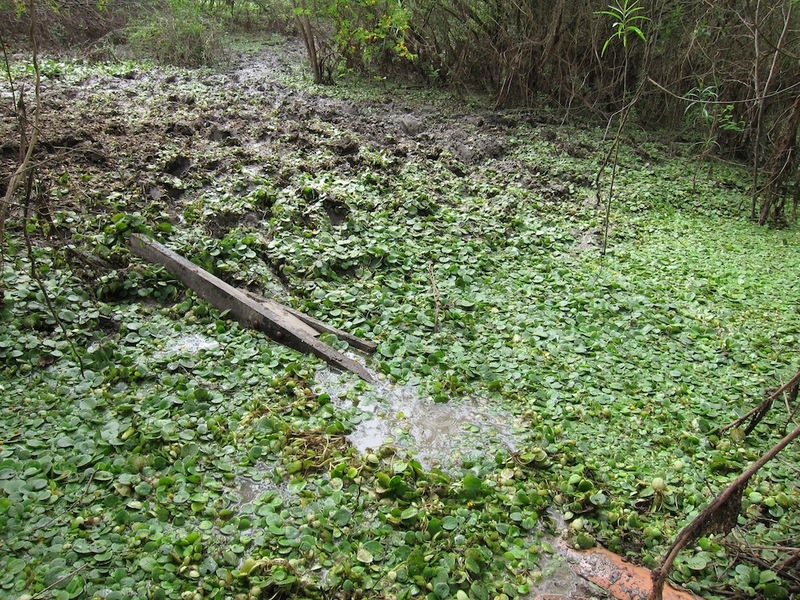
(199,478)
(193,456)
(709,117)
(705,109)
(627,21)
(366,34)
(178,32)
(368,31)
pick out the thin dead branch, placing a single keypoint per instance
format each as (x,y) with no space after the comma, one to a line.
(437,301)
(25,175)
(719,516)
(758,413)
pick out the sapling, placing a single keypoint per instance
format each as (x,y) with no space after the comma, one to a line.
(627,21)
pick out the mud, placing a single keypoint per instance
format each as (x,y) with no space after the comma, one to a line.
(172,135)
(614,575)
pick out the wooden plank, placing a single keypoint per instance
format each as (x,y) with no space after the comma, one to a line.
(279,325)
(355,342)
(316,325)
(282,310)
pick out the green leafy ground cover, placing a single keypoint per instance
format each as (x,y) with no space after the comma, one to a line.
(188,457)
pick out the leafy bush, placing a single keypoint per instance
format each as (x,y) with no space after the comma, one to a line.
(354,35)
(60,25)
(371,33)
(179,33)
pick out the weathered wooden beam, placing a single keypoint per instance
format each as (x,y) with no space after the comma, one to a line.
(279,325)
(282,310)
(316,325)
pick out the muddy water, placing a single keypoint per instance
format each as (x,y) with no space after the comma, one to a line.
(437,435)
(249,489)
(187,344)
(444,436)
(557,578)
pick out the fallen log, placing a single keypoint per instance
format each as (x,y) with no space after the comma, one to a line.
(274,319)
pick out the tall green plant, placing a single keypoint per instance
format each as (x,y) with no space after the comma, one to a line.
(706,112)
(626,15)
(627,19)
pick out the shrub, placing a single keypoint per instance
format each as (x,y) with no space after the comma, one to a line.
(61,25)
(178,33)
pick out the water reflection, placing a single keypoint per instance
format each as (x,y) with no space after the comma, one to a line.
(440,435)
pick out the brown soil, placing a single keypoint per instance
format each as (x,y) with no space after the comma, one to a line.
(155,139)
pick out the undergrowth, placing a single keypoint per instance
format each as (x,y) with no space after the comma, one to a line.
(178,32)
(191,458)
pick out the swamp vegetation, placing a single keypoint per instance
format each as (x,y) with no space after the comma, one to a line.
(556,357)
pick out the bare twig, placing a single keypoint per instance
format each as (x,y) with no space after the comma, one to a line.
(624,112)
(7,66)
(759,411)
(25,174)
(774,94)
(27,146)
(59,581)
(437,301)
(759,105)
(790,561)
(39,282)
(781,567)
(719,516)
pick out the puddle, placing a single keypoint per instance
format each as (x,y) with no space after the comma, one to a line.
(438,435)
(249,491)
(187,344)
(443,435)
(256,483)
(558,580)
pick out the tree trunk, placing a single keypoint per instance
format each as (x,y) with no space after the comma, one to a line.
(309,38)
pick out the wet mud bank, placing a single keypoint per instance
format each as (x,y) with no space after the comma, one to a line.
(180,137)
